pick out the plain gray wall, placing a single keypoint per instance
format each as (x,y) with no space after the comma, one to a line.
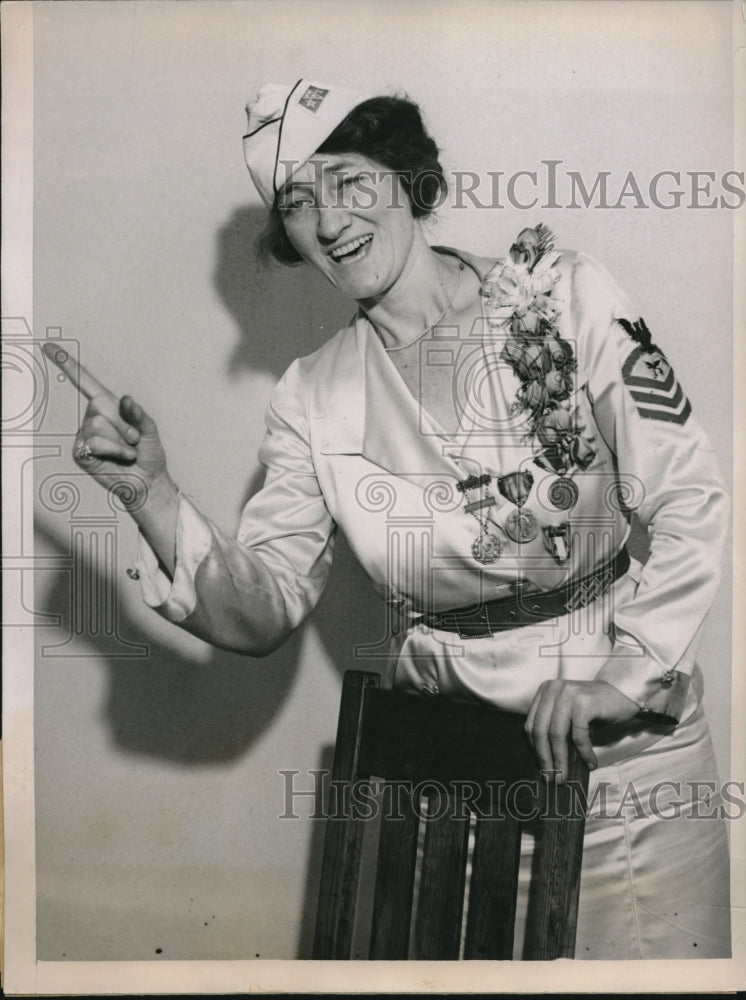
(157,759)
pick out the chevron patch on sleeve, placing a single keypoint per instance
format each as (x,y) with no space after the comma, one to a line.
(654,387)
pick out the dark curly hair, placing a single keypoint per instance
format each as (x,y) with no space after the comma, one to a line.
(389,131)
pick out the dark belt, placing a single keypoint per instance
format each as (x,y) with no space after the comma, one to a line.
(522,609)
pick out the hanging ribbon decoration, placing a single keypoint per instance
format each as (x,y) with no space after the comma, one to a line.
(486,547)
(520,526)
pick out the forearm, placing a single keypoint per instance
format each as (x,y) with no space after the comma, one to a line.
(225,591)
(157,517)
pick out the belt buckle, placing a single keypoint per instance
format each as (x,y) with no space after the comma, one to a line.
(442,620)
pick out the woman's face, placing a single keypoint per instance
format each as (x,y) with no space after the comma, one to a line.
(350,218)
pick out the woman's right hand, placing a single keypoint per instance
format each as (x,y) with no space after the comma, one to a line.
(116,434)
(118,445)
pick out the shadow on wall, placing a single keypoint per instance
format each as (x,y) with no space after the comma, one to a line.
(165,705)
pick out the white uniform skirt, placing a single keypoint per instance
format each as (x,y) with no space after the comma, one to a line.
(655,874)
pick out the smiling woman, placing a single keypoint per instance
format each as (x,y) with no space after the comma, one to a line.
(359,238)
(514,413)
(389,132)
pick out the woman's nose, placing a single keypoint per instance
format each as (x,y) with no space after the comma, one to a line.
(332,220)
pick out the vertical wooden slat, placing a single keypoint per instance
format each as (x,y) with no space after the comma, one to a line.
(397,859)
(578,777)
(493,888)
(441,899)
(344,835)
(555,888)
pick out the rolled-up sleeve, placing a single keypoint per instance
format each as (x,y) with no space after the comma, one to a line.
(668,475)
(250,592)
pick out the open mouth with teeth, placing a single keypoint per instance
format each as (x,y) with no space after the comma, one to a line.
(354,250)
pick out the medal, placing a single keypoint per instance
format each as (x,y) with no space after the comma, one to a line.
(557,540)
(521,525)
(486,547)
(563,493)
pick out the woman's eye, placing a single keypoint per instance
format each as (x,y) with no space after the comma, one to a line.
(351,182)
(297,203)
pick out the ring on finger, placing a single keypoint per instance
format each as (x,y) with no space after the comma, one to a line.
(83,451)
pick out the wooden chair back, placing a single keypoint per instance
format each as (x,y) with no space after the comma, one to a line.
(472,761)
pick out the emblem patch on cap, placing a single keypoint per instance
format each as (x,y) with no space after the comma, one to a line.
(312,99)
(654,387)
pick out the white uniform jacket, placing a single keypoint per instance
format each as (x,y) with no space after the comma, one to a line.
(591,410)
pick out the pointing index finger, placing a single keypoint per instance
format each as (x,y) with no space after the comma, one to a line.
(80,377)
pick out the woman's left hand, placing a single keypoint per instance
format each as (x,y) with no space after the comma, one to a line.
(563,710)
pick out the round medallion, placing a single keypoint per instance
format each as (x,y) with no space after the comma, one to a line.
(563,493)
(521,526)
(487,548)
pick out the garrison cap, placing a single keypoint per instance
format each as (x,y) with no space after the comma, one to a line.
(287,124)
